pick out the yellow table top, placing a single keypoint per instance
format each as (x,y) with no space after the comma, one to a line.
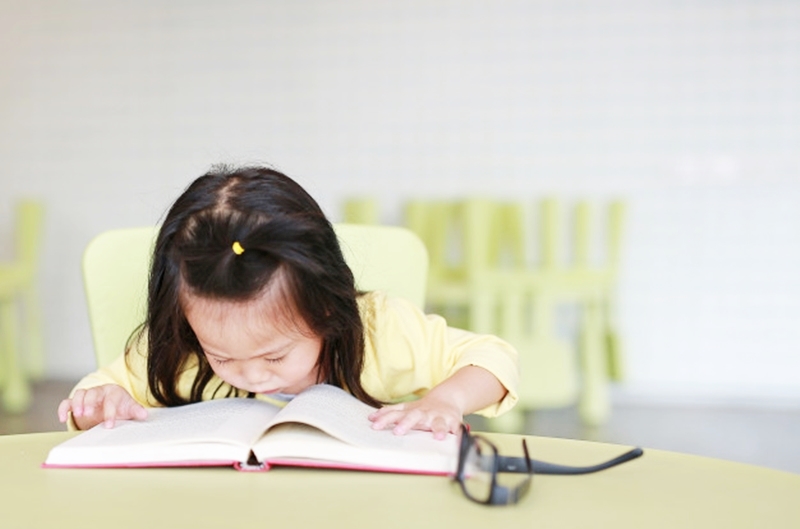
(660,489)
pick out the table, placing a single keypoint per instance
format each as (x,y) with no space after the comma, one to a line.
(660,489)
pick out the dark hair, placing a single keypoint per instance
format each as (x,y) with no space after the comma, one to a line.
(282,228)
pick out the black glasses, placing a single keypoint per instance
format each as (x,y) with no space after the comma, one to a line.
(478,469)
(479,465)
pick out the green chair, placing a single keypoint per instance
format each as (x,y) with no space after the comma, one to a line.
(480,274)
(553,375)
(116,264)
(437,224)
(21,343)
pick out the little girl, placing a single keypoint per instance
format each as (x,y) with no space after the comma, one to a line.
(250,296)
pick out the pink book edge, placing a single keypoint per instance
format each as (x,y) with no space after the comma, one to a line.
(303,463)
(244,467)
(165,464)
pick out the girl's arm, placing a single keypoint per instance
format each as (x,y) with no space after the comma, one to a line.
(442,409)
(450,372)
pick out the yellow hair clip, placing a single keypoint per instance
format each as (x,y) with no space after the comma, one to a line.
(237,248)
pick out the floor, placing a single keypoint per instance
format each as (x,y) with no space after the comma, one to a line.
(765,437)
(41,416)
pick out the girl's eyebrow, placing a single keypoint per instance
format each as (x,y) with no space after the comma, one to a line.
(215,355)
(280,350)
(277,351)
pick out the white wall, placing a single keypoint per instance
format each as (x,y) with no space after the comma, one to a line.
(690,110)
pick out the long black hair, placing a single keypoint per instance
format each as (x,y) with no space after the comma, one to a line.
(281,228)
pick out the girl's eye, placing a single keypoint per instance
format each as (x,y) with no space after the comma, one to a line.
(274,360)
(219,361)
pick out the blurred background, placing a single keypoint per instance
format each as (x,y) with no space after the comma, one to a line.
(687,112)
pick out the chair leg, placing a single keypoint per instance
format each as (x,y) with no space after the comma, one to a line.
(613,342)
(594,405)
(34,363)
(16,391)
(482,311)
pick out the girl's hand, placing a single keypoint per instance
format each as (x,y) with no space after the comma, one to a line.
(104,404)
(442,409)
(428,413)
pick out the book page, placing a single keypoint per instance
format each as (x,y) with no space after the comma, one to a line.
(342,416)
(167,434)
(297,444)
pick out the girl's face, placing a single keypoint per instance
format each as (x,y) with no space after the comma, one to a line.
(255,345)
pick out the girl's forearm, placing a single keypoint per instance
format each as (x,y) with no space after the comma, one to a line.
(471,388)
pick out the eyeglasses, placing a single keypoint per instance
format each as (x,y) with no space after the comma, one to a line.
(479,464)
(478,467)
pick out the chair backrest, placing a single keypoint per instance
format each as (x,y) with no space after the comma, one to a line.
(116,265)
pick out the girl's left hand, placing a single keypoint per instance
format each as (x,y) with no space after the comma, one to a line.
(442,409)
(428,413)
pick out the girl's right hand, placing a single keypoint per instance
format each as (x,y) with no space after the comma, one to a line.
(107,403)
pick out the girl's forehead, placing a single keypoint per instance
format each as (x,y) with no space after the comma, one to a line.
(271,307)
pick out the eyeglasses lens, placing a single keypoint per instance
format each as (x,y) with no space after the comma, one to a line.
(478,470)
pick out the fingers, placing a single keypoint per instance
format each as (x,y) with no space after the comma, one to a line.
(64,407)
(105,404)
(440,428)
(138,411)
(109,413)
(412,419)
(402,418)
(120,405)
(74,405)
(132,410)
(387,416)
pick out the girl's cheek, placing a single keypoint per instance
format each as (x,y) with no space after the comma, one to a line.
(225,377)
(221,372)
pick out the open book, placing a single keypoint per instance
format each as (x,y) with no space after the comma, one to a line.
(322,427)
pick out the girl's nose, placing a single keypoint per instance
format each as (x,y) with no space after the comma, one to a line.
(256,374)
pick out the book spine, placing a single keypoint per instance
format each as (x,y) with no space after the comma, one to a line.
(251,466)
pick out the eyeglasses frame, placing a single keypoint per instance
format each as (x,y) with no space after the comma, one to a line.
(498,494)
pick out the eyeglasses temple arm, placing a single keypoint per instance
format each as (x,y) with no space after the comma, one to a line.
(517,464)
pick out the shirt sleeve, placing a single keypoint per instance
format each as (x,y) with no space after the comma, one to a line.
(408,352)
(128,371)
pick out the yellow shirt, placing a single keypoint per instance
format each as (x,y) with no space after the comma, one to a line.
(406,353)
